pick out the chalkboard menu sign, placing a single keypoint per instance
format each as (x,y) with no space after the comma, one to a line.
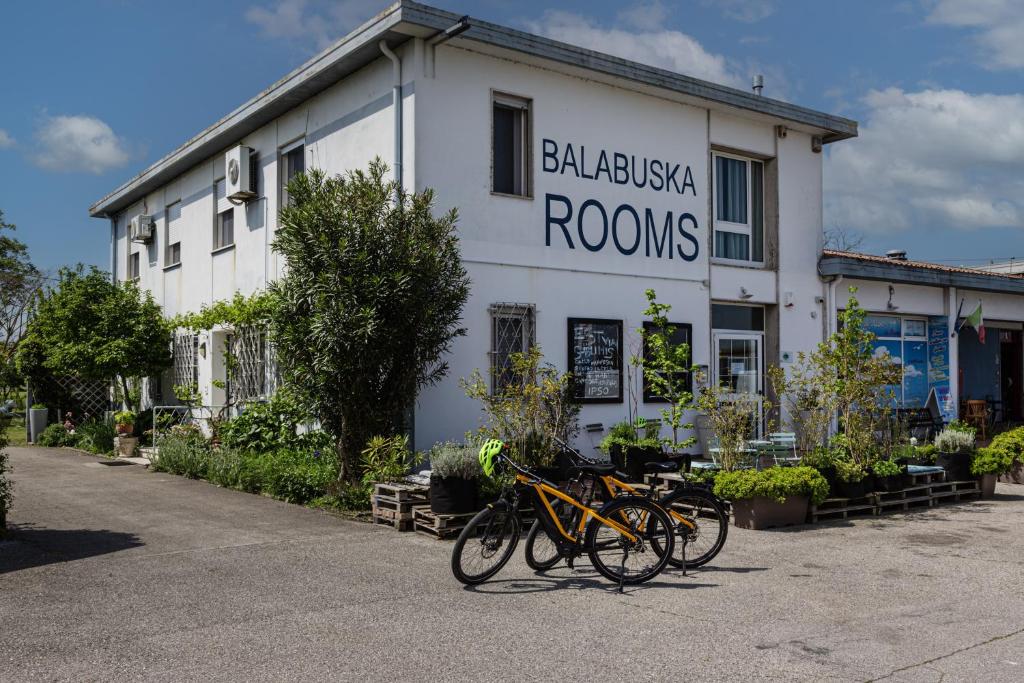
(595,359)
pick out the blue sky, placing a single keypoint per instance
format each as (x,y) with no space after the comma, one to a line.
(96,91)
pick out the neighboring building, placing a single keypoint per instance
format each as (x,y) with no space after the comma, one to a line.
(1011,267)
(581,180)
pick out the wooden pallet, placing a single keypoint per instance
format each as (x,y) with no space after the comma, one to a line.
(389,511)
(403,493)
(841,508)
(438,525)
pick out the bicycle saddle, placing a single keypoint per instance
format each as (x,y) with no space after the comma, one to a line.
(596,468)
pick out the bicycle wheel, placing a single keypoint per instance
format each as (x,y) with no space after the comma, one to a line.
(618,558)
(710,521)
(485,545)
(541,552)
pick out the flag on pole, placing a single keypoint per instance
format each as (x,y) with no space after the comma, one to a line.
(976,321)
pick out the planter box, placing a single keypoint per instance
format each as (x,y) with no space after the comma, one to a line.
(850,489)
(454,495)
(37,419)
(987,484)
(126,445)
(765,513)
(957,466)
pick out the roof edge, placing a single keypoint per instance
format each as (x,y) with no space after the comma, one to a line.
(867,267)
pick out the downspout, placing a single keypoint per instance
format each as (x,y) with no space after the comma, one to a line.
(397,103)
(113,248)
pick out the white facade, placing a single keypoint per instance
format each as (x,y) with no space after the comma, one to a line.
(532,250)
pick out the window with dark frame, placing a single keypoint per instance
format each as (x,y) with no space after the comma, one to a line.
(682,334)
(224,230)
(510,145)
(293,162)
(173,226)
(133,266)
(738,208)
(512,331)
(595,359)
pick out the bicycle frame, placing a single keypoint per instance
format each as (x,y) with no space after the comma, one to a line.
(611,484)
(541,488)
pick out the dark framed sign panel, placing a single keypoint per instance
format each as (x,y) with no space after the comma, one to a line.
(595,359)
(682,334)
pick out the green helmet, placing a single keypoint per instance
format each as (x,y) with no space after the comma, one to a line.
(641,423)
(489,453)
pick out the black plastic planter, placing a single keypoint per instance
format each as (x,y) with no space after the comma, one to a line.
(850,489)
(636,458)
(454,495)
(957,466)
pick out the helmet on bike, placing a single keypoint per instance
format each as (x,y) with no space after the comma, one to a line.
(489,453)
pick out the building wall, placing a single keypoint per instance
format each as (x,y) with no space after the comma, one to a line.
(514,253)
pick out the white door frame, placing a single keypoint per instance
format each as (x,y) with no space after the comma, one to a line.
(745,335)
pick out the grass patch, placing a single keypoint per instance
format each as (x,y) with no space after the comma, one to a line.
(15,432)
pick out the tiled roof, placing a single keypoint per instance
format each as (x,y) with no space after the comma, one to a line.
(923,265)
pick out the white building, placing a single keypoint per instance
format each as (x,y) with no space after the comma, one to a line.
(581,180)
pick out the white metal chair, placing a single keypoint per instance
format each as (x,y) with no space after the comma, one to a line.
(784,448)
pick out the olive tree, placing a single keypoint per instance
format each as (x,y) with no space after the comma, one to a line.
(20,281)
(369,303)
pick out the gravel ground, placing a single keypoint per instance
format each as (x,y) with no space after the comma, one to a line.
(118,573)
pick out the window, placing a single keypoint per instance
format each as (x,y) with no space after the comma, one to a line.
(173,228)
(682,334)
(905,341)
(293,162)
(185,355)
(737,317)
(595,359)
(739,208)
(512,331)
(510,146)
(133,267)
(224,230)
(247,379)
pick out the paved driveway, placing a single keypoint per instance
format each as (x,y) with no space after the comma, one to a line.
(120,573)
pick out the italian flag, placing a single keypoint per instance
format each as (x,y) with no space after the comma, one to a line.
(976,321)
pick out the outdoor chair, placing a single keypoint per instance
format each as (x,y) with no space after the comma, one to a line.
(783,448)
(976,415)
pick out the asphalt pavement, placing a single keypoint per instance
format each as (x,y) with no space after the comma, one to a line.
(118,573)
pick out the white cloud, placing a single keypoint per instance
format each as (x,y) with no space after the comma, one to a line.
(933,159)
(78,143)
(319,22)
(999,25)
(912,371)
(668,49)
(6,140)
(644,15)
(747,11)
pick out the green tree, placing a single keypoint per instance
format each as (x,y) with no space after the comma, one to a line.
(667,368)
(20,281)
(90,327)
(369,304)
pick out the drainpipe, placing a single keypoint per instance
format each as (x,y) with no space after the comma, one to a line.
(113,248)
(397,103)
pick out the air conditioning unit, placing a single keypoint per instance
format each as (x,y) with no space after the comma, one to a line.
(242,172)
(140,228)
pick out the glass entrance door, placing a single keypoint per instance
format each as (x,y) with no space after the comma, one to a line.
(738,366)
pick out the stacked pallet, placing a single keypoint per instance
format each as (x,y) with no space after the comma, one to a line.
(394,504)
(928,489)
(449,526)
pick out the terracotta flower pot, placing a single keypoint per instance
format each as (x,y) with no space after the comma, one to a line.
(765,513)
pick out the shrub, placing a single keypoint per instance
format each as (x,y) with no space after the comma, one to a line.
(95,436)
(927,452)
(455,460)
(849,470)
(265,427)
(991,461)
(1010,443)
(961,426)
(954,441)
(887,468)
(387,459)
(55,436)
(225,468)
(296,476)
(183,452)
(776,483)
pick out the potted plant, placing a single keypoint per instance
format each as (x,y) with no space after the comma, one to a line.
(38,415)
(987,465)
(124,425)
(1011,443)
(851,479)
(889,475)
(454,479)
(955,451)
(776,496)
(631,446)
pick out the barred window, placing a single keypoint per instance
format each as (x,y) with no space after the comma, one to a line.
(247,379)
(186,359)
(512,331)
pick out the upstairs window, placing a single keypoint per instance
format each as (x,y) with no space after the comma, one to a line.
(293,162)
(224,229)
(133,267)
(512,331)
(739,208)
(510,145)
(172,253)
